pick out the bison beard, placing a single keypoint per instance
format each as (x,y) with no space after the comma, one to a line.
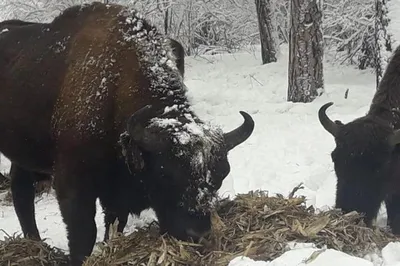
(99,103)
(367,157)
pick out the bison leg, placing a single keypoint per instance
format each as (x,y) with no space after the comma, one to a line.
(360,197)
(393,213)
(77,201)
(78,212)
(23,195)
(110,218)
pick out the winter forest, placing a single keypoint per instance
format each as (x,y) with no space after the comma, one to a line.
(308,186)
(353,32)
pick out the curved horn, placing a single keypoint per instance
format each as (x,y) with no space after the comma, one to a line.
(240,134)
(326,122)
(395,138)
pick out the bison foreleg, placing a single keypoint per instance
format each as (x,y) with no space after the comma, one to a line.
(78,214)
(393,213)
(23,195)
(77,200)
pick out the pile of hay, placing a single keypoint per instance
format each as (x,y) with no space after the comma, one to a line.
(253,225)
(15,250)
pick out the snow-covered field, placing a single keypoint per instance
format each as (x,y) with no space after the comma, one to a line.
(288,145)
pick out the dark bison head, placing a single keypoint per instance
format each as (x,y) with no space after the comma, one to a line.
(363,161)
(184,164)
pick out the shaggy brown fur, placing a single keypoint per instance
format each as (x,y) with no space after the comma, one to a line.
(97,101)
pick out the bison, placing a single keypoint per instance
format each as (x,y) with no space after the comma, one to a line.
(6,25)
(43,181)
(366,157)
(95,99)
(177,48)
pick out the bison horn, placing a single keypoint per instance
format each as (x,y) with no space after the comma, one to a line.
(240,134)
(137,130)
(326,122)
(395,138)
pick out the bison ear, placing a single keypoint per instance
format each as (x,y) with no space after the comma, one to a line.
(132,153)
(141,135)
(338,122)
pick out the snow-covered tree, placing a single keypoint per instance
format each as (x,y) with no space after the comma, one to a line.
(220,26)
(347,25)
(202,26)
(265,25)
(382,39)
(305,51)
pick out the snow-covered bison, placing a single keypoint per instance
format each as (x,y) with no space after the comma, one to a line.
(44,181)
(95,99)
(367,156)
(177,48)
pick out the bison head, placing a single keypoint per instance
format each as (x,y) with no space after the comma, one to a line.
(184,164)
(363,161)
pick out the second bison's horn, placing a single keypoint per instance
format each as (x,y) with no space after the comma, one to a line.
(240,134)
(326,122)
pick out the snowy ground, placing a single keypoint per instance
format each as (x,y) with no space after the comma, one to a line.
(288,145)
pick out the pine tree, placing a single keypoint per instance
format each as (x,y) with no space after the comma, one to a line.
(268,45)
(305,51)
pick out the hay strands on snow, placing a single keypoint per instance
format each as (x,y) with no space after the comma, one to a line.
(16,250)
(253,225)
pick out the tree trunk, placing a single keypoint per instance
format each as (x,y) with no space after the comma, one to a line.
(382,39)
(305,51)
(166,19)
(167,7)
(268,46)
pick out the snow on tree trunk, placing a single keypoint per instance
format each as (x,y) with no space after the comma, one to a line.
(305,51)
(265,26)
(382,39)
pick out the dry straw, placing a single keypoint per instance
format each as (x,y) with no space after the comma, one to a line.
(15,250)
(252,224)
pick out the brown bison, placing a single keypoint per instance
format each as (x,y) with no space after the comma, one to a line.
(95,99)
(367,158)
(43,181)
(177,48)
(6,25)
